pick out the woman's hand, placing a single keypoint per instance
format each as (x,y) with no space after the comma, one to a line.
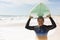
(30,17)
(48,15)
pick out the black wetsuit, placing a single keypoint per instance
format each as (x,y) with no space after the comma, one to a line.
(43,30)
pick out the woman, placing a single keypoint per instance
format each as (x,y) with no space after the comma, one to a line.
(41,29)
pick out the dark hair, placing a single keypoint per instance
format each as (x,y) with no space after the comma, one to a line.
(40,17)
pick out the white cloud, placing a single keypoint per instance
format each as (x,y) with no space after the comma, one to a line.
(18,2)
(6,4)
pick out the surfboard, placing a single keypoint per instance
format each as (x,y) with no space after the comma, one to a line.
(40,10)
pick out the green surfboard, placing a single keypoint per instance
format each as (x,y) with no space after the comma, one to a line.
(40,10)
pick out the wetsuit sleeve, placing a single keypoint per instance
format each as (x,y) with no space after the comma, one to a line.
(27,25)
(53,24)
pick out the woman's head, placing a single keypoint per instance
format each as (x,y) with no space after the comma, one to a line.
(40,20)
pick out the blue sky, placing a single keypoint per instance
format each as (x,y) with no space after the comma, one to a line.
(54,0)
(22,7)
